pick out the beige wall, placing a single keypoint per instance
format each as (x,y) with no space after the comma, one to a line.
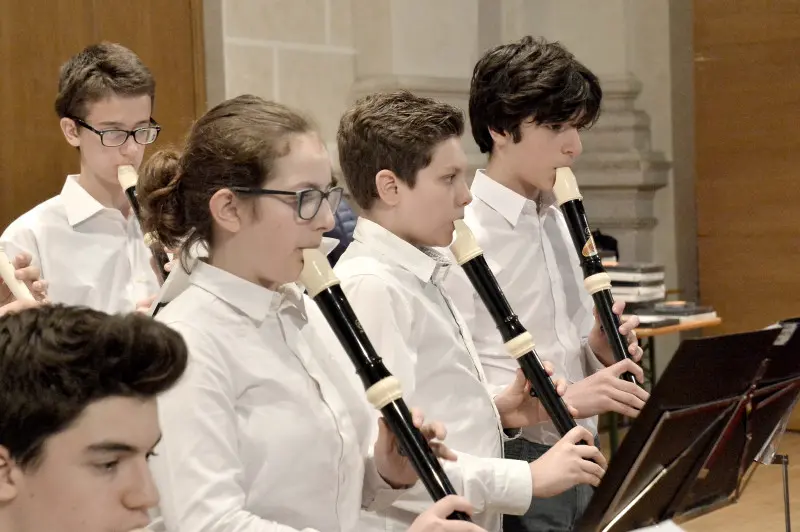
(297,52)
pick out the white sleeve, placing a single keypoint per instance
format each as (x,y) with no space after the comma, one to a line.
(591,364)
(197,468)
(488,483)
(377,494)
(17,238)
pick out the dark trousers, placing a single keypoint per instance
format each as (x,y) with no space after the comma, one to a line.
(552,514)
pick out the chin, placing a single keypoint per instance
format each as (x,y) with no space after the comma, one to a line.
(110,179)
(442,241)
(548,182)
(294,274)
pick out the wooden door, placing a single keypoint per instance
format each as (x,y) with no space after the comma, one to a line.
(38,36)
(747,111)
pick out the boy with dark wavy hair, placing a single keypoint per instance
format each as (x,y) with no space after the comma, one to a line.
(78,418)
(529,100)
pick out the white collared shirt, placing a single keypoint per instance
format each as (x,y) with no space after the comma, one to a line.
(89,254)
(269,429)
(395,290)
(528,248)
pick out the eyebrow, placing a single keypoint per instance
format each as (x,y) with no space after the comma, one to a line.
(121,125)
(454,169)
(309,184)
(117,447)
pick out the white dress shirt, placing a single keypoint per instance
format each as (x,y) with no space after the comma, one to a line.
(528,248)
(89,254)
(395,290)
(269,429)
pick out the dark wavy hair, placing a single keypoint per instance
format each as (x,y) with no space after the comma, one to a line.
(57,360)
(530,79)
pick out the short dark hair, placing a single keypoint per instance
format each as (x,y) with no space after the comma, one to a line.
(56,360)
(394,131)
(100,71)
(530,79)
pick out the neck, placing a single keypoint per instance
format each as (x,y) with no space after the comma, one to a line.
(108,195)
(7,521)
(385,218)
(226,256)
(500,173)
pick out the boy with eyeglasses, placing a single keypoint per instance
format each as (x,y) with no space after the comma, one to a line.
(85,241)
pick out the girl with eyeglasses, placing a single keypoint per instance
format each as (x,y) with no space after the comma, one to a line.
(269,429)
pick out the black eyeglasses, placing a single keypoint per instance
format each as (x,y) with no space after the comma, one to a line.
(117,137)
(309,200)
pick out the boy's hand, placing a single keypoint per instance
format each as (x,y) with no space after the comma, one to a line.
(568,464)
(30,275)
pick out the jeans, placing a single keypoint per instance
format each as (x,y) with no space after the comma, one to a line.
(551,514)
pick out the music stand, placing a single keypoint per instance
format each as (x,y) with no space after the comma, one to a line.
(713,412)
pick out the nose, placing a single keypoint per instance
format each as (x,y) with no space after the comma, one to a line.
(464,196)
(325,219)
(572,143)
(130,147)
(142,493)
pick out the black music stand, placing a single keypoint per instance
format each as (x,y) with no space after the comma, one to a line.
(718,407)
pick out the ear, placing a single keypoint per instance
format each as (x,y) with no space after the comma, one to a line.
(500,139)
(70,130)
(226,210)
(8,477)
(388,185)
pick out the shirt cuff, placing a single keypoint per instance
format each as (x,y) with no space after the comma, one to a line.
(511,434)
(377,494)
(513,493)
(593,364)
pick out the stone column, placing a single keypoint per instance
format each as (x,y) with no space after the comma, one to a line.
(619,171)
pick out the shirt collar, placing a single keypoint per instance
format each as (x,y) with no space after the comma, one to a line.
(426,264)
(505,201)
(79,204)
(252,300)
(328,244)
